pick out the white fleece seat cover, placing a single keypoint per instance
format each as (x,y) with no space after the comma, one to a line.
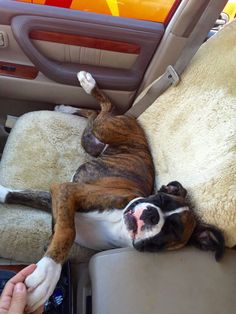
(43,148)
(191,130)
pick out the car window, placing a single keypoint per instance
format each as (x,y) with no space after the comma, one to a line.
(229,12)
(150,10)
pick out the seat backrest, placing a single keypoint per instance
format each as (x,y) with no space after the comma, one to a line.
(177,282)
(192,132)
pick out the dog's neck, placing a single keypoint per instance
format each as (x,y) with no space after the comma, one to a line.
(101,231)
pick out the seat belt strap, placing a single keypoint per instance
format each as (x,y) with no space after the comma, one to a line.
(172,74)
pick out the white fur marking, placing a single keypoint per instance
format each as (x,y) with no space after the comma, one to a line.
(3,193)
(176,211)
(65,109)
(105,147)
(86,81)
(131,202)
(102,231)
(42,282)
(156,229)
(72,178)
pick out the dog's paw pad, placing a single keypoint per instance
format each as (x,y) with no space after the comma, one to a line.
(86,81)
(42,282)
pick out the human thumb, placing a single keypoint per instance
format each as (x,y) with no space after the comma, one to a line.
(18,301)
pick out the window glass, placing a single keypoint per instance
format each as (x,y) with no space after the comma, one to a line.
(151,10)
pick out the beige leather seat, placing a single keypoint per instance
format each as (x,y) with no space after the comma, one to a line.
(184,282)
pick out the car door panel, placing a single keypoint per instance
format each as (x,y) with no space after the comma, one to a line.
(60,42)
(143,43)
(85,50)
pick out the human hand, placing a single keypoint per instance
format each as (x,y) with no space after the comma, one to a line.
(14,296)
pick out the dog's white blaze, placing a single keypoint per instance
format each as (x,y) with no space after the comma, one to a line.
(131,202)
(86,81)
(3,193)
(176,211)
(42,282)
(102,231)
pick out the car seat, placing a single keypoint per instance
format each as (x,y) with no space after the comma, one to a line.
(191,131)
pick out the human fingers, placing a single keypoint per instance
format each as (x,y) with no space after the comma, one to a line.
(6,295)
(21,276)
(18,301)
(5,299)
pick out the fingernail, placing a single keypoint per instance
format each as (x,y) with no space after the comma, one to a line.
(19,287)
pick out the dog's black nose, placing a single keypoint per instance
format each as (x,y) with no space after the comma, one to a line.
(150,216)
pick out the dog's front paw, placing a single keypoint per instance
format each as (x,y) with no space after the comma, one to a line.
(42,282)
(65,109)
(86,81)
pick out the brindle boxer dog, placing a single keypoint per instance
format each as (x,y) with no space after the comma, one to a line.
(108,204)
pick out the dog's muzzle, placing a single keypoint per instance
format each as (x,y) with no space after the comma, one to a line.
(142,217)
(145,220)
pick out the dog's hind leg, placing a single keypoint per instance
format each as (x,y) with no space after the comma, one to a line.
(90,87)
(108,127)
(32,198)
(90,143)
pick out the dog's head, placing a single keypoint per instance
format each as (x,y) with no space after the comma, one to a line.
(165,222)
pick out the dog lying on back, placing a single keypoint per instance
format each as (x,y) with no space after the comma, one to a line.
(109,202)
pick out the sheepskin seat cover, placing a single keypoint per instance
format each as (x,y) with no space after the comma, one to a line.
(191,130)
(43,147)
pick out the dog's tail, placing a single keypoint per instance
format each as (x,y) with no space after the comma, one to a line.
(31,198)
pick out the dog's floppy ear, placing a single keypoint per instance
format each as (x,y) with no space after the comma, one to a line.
(208,238)
(174,188)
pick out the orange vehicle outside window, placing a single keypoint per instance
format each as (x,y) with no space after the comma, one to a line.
(151,10)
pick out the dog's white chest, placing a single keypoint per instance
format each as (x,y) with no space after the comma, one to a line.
(101,231)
